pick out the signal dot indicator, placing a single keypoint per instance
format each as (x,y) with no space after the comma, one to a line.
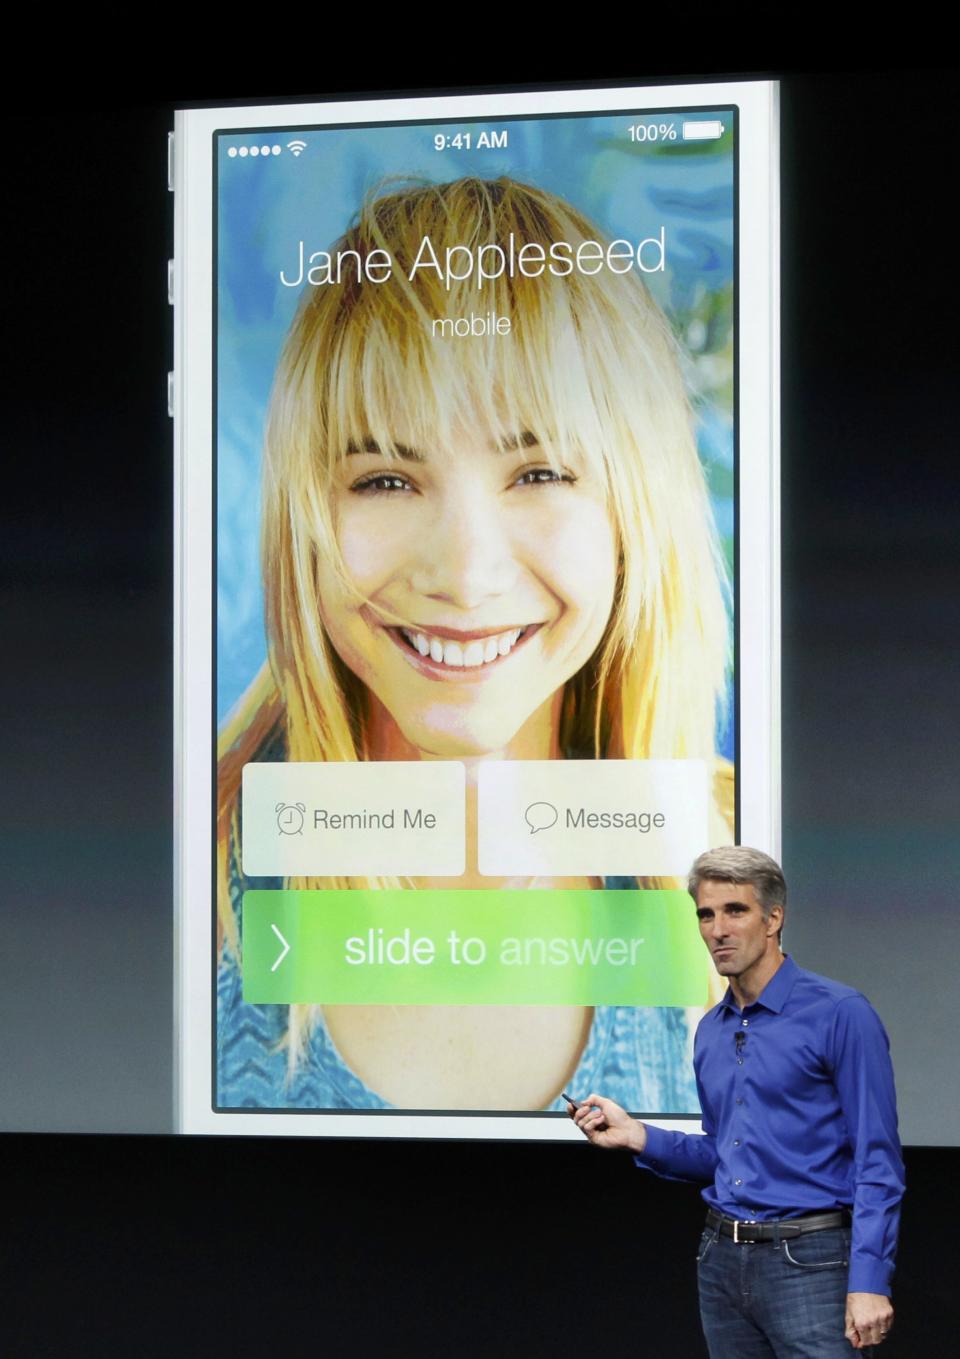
(234,151)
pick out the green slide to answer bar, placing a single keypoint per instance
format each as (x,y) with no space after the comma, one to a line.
(459,947)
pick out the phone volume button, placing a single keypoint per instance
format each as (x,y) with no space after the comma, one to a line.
(170,282)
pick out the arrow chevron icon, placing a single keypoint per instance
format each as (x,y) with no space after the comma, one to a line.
(285,951)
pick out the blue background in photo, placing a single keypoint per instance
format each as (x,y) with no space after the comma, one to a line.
(267,204)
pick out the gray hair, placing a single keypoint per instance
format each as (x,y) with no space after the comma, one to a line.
(740,863)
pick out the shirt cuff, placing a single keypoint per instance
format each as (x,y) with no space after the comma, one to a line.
(870,1276)
(652,1156)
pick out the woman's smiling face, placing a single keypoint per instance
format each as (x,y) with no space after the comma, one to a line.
(483,580)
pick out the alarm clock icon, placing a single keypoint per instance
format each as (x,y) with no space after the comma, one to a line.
(290,818)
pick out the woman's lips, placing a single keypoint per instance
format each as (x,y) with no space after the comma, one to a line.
(463,655)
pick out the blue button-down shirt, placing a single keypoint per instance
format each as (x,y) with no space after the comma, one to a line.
(799,1115)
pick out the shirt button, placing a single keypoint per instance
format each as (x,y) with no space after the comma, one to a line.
(739,1100)
(744,1022)
(738,1181)
(736,1141)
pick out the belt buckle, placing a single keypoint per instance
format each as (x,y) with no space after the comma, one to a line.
(736,1226)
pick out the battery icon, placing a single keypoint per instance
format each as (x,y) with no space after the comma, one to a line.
(707,131)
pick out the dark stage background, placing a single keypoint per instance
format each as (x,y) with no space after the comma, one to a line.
(148,1242)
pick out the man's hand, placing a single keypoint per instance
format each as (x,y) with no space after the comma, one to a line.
(869,1318)
(607,1125)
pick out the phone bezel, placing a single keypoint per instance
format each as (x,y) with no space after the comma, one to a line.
(757,545)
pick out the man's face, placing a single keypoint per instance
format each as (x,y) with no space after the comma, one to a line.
(734,929)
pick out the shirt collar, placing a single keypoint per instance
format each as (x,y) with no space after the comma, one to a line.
(776,992)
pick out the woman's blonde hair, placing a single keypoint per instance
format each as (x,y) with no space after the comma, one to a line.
(589,366)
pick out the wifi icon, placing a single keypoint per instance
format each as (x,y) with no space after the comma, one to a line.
(296,147)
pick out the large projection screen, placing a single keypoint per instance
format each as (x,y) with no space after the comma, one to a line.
(477,575)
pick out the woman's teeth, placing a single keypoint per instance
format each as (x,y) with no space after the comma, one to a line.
(480,651)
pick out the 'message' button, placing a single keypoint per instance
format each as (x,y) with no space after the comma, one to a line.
(362,819)
(600,818)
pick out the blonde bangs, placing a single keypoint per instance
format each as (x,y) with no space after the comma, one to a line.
(365,361)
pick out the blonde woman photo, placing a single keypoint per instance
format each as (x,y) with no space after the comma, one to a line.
(495,546)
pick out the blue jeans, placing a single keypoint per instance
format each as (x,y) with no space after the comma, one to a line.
(775,1300)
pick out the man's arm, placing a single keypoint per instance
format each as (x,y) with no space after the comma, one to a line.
(863,1075)
(672,1155)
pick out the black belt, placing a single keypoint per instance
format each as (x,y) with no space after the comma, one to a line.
(749,1233)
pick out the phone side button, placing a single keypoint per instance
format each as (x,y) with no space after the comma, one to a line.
(170,386)
(170,282)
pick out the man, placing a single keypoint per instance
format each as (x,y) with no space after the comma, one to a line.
(800,1152)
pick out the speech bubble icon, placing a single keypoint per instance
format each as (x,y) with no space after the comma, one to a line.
(540,816)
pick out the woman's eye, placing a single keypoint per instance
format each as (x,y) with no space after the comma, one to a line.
(382,483)
(544,476)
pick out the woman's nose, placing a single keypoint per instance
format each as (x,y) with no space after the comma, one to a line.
(468,557)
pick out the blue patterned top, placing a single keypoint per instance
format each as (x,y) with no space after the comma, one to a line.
(638,1056)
